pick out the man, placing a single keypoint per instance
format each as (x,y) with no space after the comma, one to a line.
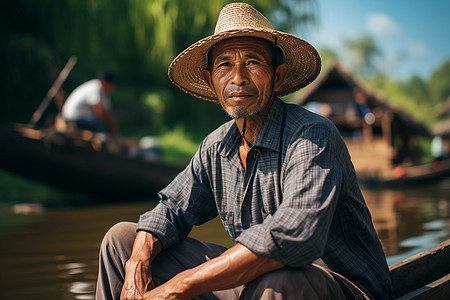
(279,177)
(89,104)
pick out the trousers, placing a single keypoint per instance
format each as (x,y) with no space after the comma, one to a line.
(309,282)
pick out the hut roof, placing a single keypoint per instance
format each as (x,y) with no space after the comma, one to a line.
(336,75)
(444,108)
(442,128)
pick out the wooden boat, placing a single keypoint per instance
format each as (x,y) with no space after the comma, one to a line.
(423,276)
(409,175)
(83,162)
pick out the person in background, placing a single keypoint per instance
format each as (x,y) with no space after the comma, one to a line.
(279,177)
(89,105)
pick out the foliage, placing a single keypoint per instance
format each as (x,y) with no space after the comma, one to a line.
(328,56)
(439,83)
(417,88)
(364,51)
(177,144)
(135,38)
(419,97)
(16,189)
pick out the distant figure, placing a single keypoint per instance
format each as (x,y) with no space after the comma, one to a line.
(437,148)
(89,105)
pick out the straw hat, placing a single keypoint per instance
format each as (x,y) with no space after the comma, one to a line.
(235,20)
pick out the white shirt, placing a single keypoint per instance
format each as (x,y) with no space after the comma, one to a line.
(80,103)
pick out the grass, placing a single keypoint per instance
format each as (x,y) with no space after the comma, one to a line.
(178,145)
(16,189)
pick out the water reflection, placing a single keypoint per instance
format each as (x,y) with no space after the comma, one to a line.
(82,290)
(74,268)
(53,254)
(412,220)
(382,205)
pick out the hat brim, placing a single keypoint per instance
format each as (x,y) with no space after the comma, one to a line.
(302,58)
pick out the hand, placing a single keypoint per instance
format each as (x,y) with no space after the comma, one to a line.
(138,275)
(138,279)
(169,290)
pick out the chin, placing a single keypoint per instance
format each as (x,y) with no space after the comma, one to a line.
(242,113)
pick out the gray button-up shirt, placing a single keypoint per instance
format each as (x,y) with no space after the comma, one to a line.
(298,199)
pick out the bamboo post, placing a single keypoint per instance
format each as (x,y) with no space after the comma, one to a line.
(52,91)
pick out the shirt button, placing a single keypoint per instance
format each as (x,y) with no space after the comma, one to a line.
(244,204)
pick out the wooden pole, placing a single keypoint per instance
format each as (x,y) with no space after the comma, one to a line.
(52,91)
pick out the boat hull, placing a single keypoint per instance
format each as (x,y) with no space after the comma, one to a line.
(75,164)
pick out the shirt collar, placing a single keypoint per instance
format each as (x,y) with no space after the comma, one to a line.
(268,136)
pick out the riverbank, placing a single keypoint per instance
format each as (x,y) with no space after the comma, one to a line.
(16,189)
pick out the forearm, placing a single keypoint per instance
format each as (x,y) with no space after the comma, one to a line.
(234,267)
(146,246)
(138,275)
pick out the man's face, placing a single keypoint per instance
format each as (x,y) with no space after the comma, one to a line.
(241,75)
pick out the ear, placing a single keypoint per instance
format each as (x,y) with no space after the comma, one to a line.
(208,78)
(280,75)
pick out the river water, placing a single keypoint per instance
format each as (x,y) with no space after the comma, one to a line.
(52,254)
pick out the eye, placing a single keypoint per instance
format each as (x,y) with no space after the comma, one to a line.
(224,64)
(253,62)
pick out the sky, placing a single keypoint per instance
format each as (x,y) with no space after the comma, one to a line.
(413,35)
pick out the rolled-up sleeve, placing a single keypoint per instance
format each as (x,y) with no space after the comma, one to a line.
(296,234)
(185,202)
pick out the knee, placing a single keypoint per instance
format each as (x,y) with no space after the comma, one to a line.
(284,281)
(119,236)
(120,229)
(308,282)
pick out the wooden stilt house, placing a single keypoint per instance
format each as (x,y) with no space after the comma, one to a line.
(442,129)
(379,136)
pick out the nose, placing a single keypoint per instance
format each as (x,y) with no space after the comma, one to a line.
(240,75)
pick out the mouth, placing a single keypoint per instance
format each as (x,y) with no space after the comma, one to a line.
(239,96)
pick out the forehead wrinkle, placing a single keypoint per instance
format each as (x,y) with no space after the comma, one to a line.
(255,56)
(225,57)
(221,58)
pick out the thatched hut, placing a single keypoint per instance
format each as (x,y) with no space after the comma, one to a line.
(378,135)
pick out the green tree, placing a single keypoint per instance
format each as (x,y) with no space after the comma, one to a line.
(363,51)
(417,88)
(135,38)
(439,83)
(417,96)
(328,56)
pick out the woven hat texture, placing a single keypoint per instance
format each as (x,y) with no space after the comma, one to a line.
(238,20)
